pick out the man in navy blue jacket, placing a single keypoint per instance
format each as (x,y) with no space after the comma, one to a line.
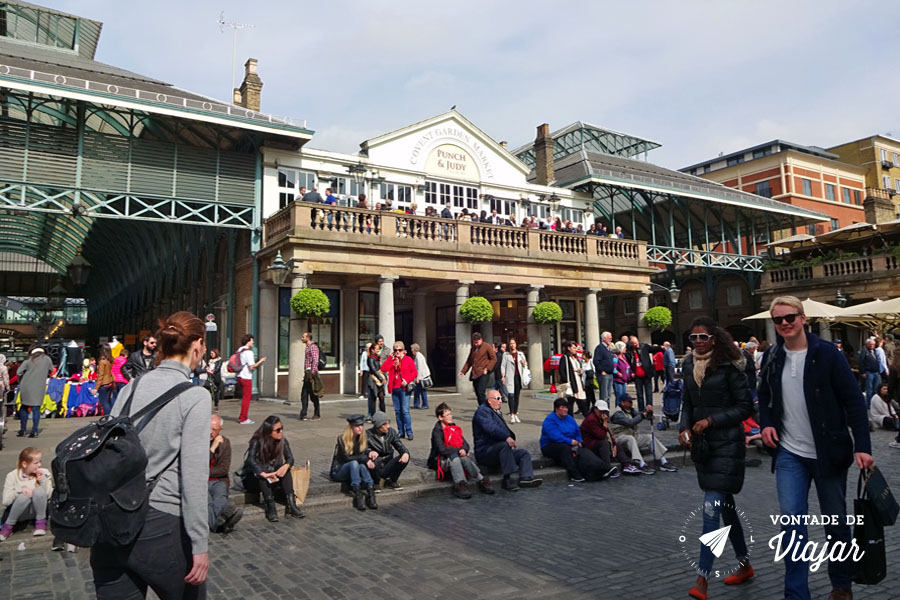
(809,402)
(495,445)
(603,366)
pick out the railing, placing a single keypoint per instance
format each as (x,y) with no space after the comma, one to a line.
(330,224)
(857,267)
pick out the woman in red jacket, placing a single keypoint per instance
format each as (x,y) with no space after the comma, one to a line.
(401,372)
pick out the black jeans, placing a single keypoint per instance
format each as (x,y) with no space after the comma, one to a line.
(268,489)
(583,405)
(372,396)
(305,394)
(160,558)
(390,469)
(481,384)
(513,395)
(499,454)
(603,450)
(562,454)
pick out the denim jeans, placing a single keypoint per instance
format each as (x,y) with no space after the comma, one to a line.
(715,504)
(606,386)
(621,390)
(421,392)
(644,391)
(401,408)
(356,473)
(104,396)
(500,454)
(873,378)
(793,474)
(35,418)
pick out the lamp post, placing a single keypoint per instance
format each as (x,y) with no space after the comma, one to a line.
(279,270)
(554,201)
(79,270)
(674,292)
(840,299)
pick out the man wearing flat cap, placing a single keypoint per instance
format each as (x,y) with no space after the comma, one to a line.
(381,441)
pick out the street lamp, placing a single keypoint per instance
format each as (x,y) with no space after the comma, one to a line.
(79,270)
(840,299)
(674,292)
(56,296)
(279,270)
(554,201)
(358,171)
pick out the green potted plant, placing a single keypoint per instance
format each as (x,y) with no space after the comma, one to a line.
(658,318)
(310,302)
(476,310)
(547,313)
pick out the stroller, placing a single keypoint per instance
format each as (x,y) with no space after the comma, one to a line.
(671,397)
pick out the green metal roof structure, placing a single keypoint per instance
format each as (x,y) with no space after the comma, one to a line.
(584,137)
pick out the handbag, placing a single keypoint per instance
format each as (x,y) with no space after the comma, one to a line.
(880,496)
(427,382)
(869,536)
(699,449)
(525,376)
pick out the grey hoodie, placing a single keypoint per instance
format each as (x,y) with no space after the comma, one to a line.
(181,427)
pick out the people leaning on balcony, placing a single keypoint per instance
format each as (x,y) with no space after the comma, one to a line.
(351,463)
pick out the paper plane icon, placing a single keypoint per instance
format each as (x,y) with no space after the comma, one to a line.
(715,540)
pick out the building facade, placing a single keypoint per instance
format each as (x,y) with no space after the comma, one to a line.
(879,155)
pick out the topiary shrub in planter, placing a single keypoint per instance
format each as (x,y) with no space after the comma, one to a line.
(547,313)
(658,318)
(310,302)
(476,310)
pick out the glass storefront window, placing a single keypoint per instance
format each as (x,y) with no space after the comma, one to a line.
(325,330)
(368,319)
(284,328)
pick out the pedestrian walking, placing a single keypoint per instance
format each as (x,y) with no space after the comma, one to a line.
(716,401)
(401,376)
(604,366)
(214,377)
(245,376)
(32,375)
(376,381)
(512,368)
(312,383)
(802,371)
(869,369)
(4,380)
(481,361)
(142,361)
(669,361)
(170,553)
(571,384)
(499,350)
(423,377)
(106,384)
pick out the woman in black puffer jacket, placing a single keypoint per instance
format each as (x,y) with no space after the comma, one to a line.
(716,401)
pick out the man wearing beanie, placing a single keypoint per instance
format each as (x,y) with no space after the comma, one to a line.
(382,440)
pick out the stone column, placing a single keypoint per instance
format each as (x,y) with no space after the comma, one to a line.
(643,305)
(463,339)
(349,340)
(535,343)
(297,350)
(770,331)
(825,331)
(267,374)
(420,330)
(591,320)
(386,308)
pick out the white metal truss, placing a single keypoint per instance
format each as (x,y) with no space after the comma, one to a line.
(702,258)
(39,198)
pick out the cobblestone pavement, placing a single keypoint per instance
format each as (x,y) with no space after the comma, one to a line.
(613,539)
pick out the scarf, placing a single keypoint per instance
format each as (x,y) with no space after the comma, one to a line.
(701,362)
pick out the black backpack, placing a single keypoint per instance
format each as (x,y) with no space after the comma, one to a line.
(101,489)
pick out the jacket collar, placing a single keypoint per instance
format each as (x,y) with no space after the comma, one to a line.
(175,365)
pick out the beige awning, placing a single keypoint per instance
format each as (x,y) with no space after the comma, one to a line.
(795,241)
(848,233)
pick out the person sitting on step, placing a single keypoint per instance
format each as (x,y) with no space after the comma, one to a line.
(26,491)
(624,427)
(269,462)
(450,453)
(381,441)
(495,445)
(351,464)
(561,442)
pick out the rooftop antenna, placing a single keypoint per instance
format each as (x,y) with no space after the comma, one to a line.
(234,28)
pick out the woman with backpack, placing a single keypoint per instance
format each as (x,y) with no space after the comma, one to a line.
(170,553)
(450,454)
(716,401)
(26,491)
(269,461)
(351,463)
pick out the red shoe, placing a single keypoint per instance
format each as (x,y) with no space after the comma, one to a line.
(739,577)
(695,593)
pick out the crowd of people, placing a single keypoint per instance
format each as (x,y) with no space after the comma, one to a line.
(733,397)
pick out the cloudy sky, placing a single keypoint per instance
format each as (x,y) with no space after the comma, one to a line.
(700,77)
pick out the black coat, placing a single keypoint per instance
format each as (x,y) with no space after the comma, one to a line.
(385,443)
(750,369)
(646,353)
(255,467)
(340,456)
(724,398)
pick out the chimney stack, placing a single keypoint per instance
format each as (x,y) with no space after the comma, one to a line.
(249,94)
(543,156)
(878,206)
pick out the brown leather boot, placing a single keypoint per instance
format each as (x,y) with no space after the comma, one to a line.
(840,594)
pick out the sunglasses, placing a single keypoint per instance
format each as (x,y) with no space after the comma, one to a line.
(789,318)
(279,430)
(397,350)
(699,337)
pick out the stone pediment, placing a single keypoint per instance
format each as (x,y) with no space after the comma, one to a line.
(448,146)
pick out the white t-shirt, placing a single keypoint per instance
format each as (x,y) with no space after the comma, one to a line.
(796,435)
(363,361)
(247,359)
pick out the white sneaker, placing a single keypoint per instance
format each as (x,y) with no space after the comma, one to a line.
(246,422)
(894,444)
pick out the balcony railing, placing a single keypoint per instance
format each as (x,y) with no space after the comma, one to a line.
(352,226)
(878,265)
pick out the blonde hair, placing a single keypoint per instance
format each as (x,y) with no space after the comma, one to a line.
(792,301)
(347,437)
(26,456)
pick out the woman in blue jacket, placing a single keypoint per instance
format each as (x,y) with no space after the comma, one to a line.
(561,439)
